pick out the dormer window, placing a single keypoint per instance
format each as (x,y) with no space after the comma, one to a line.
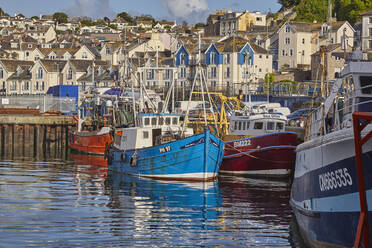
(84,55)
(39,73)
(69,75)
(107,50)
(213,58)
(183,59)
(287,29)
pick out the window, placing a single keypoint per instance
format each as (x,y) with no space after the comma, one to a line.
(279,126)
(303,40)
(145,134)
(240,125)
(161,121)
(1,73)
(27,54)
(235,125)
(228,72)
(13,86)
(174,121)
(213,72)
(370,44)
(331,40)
(153,121)
(147,121)
(258,125)
(37,85)
(259,70)
(366,84)
(370,31)
(213,83)
(290,52)
(283,52)
(227,60)
(213,58)
(287,40)
(107,50)
(303,53)
(370,20)
(167,121)
(69,75)
(183,59)
(287,29)
(248,125)
(3,86)
(270,126)
(244,123)
(260,56)
(39,73)
(84,55)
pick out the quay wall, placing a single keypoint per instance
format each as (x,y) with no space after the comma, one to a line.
(35,137)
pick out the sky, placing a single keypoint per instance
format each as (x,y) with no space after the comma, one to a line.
(192,11)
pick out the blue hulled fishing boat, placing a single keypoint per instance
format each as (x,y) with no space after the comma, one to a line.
(325,195)
(159,148)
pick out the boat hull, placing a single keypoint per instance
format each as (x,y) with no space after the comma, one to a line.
(271,155)
(90,143)
(195,158)
(325,196)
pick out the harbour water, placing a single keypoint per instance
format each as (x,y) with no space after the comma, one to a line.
(78,203)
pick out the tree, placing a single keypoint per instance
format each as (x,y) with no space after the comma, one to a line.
(1,12)
(126,17)
(199,25)
(146,18)
(289,3)
(269,79)
(310,10)
(35,17)
(184,24)
(350,9)
(60,17)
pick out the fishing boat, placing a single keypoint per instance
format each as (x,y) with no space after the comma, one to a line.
(258,145)
(156,148)
(324,193)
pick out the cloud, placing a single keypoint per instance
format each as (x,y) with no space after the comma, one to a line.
(191,11)
(91,8)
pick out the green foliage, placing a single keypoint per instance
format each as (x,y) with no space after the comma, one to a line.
(113,26)
(60,17)
(276,15)
(35,17)
(77,29)
(344,10)
(1,12)
(58,32)
(199,25)
(126,17)
(289,3)
(350,9)
(86,23)
(145,18)
(184,24)
(310,10)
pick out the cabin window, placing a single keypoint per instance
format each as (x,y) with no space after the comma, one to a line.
(147,121)
(244,123)
(270,126)
(145,134)
(235,125)
(240,125)
(153,122)
(161,121)
(174,122)
(279,126)
(247,125)
(168,121)
(366,84)
(258,125)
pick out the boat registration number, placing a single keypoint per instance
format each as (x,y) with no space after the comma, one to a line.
(165,149)
(242,143)
(335,179)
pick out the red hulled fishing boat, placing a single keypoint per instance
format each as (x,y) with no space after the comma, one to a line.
(257,145)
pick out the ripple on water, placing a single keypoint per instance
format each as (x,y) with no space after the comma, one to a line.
(62,204)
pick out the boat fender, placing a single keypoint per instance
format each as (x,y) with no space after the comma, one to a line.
(75,118)
(133,160)
(122,156)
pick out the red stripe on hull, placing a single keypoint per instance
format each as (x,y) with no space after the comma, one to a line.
(268,152)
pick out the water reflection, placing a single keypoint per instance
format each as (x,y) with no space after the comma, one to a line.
(60,204)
